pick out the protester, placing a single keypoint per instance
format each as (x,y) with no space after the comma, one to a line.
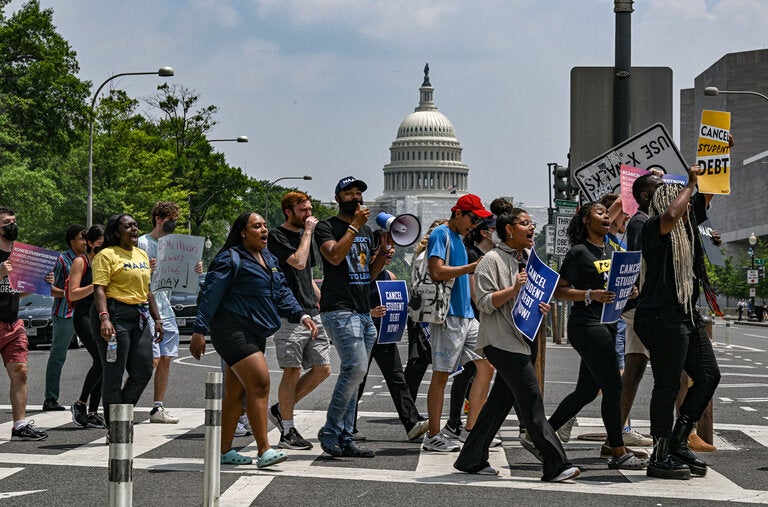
(85,411)
(498,280)
(121,310)
(63,325)
(671,328)
(583,278)
(350,261)
(453,341)
(13,337)
(291,243)
(241,303)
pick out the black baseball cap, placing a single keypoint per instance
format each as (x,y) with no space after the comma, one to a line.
(350,181)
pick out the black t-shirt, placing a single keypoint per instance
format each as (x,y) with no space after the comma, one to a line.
(586,266)
(9,298)
(284,243)
(346,286)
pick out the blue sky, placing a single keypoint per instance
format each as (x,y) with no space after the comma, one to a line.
(320,86)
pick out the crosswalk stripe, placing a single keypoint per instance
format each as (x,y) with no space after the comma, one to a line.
(244,491)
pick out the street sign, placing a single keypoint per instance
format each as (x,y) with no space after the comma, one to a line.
(549,231)
(752,292)
(759,262)
(566,206)
(752,276)
(562,245)
(652,148)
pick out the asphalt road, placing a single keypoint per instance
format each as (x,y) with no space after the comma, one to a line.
(70,467)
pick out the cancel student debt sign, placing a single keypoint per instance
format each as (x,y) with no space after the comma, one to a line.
(713,152)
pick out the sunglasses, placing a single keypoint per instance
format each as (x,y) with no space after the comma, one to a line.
(474,218)
(526,223)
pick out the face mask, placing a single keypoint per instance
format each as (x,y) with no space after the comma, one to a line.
(349,207)
(169,226)
(495,238)
(11,231)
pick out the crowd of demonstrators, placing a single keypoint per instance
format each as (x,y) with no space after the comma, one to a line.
(14,347)
(121,310)
(164,217)
(453,341)
(350,261)
(291,242)
(387,357)
(63,323)
(670,326)
(583,277)
(85,411)
(242,301)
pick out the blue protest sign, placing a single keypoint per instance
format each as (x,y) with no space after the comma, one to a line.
(625,268)
(394,295)
(541,284)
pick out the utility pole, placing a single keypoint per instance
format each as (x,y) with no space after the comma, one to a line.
(622,67)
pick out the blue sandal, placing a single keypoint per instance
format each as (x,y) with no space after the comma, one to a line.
(232,457)
(271,457)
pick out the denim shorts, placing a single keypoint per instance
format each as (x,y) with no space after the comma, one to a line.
(453,343)
(299,350)
(169,346)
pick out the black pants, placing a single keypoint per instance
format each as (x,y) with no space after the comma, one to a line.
(515,383)
(460,387)
(419,357)
(388,358)
(598,371)
(92,384)
(676,344)
(134,356)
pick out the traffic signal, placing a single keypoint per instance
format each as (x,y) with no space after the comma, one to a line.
(561,185)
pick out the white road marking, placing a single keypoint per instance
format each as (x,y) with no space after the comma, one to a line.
(244,491)
(748,409)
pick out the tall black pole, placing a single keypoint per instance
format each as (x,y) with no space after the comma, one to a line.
(622,67)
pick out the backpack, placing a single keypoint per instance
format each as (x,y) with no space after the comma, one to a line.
(430,300)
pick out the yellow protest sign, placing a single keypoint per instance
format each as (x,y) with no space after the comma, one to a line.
(713,153)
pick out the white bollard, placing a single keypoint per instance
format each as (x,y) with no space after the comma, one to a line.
(120,455)
(727,332)
(213,391)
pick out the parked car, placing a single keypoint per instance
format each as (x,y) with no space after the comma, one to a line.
(36,312)
(185,308)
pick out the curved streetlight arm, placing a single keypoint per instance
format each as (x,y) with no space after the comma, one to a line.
(238,139)
(713,91)
(269,189)
(162,72)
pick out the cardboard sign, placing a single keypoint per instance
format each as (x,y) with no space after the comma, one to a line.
(177,257)
(541,284)
(713,152)
(394,295)
(625,268)
(31,264)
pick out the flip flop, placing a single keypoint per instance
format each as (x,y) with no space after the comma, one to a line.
(271,457)
(627,461)
(232,457)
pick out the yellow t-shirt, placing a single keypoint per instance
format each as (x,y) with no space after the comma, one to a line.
(124,273)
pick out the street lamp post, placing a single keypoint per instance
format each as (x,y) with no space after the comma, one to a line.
(713,91)
(238,139)
(269,188)
(751,250)
(162,72)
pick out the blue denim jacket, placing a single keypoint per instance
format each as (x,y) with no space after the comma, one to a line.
(248,290)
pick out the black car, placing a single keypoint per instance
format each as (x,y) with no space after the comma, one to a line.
(37,313)
(185,308)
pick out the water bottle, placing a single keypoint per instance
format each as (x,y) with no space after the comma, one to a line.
(112,349)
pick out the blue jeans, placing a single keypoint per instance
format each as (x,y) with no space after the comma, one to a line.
(353,334)
(63,329)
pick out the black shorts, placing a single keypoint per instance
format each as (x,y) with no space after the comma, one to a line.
(233,339)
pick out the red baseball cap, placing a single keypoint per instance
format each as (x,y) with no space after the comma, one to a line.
(471,202)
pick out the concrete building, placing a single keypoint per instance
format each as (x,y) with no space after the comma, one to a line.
(744,211)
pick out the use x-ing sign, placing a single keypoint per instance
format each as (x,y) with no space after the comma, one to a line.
(652,148)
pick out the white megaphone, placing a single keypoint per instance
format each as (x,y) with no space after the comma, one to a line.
(404,229)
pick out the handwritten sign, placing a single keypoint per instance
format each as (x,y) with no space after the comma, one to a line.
(713,152)
(625,268)
(30,266)
(177,256)
(394,295)
(541,284)
(713,252)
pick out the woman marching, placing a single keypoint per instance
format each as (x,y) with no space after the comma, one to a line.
(583,278)
(498,280)
(244,297)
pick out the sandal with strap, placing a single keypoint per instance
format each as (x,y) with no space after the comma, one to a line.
(271,457)
(232,457)
(627,461)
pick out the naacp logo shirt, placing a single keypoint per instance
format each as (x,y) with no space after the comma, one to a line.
(124,273)
(587,266)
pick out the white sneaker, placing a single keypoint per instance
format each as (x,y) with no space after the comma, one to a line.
(564,431)
(439,443)
(245,423)
(568,473)
(161,415)
(418,429)
(241,430)
(633,437)
(496,442)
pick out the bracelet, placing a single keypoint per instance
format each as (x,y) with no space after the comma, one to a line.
(588,297)
(354,230)
(103,313)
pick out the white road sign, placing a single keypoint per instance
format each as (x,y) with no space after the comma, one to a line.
(752,276)
(561,234)
(651,149)
(549,231)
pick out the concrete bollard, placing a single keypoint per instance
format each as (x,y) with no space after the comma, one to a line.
(120,455)
(727,331)
(211,476)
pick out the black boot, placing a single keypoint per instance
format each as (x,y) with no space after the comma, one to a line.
(663,465)
(678,446)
